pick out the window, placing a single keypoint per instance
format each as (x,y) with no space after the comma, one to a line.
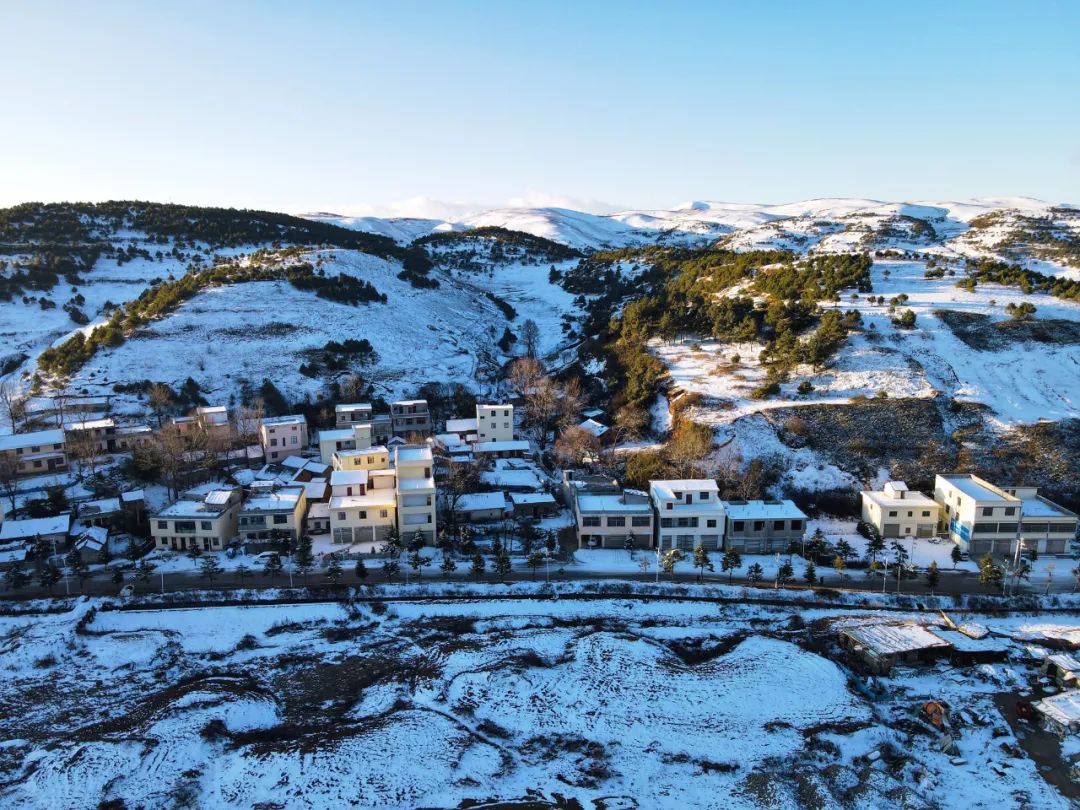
(279,519)
(362,514)
(163,524)
(667,523)
(796,525)
(1010,511)
(892,513)
(616,521)
(926,513)
(382,513)
(640,520)
(590,521)
(986,527)
(415,520)
(1035,528)
(340,515)
(778,525)
(738,526)
(988,511)
(273,442)
(710,523)
(759,525)
(206,525)
(185,526)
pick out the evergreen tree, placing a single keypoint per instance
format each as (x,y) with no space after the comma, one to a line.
(117,576)
(194,552)
(702,561)
(845,549)
(785,573)
(670,559)
(360,570)
(810,574)
(211,568)
(303,559)
(502,564)
(132,552)
(16,578)
(933,576)
(49,576)
(273,566)
(731,562)
(478,566)
(989,573)
(417,561)
(390,568)
(875,543)
(144,571)
(755,573)
(242,572)
(333,571)
(534,561)
(447,566)
(956,554)
(629,544)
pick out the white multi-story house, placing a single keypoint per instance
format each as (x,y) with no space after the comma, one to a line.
(205,517)
(1045,526)
(978,516)
(687,512)
(283,436)
(416,492)
(897,511)
(762,527)
(495,423)
(37,453)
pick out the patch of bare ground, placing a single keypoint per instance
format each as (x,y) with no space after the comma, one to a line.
(583,762)
(982,333)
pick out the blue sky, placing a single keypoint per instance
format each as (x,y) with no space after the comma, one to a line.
(356,107)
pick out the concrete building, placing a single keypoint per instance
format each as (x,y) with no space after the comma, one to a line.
(495,423)
(606,516)
(38,453)
(205,517)
(897,511)
(517,448)
(335,441)
(533,505)
(270,509)
(687,512)
(410,416)
(348,414)
(213,420)
(98,433)
(762,527)
(282,436)
(370,458)
(481,507)
(416,492)
(53,530)
(1044,526)
(978,516)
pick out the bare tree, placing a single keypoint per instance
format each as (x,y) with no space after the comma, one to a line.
(170,450)
(461,479)
(161,401)
(82,446)
(247,421)
(575,445)
(530,338)
(13,404)
(9,480)
(524,375)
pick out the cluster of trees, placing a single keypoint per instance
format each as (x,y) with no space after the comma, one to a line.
(480,248)
(547,404)
(44,269)
(344,289)
(992,271)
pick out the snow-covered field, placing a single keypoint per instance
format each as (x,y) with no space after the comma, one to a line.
(610,703)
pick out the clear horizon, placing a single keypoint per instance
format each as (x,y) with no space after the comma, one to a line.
(430,109)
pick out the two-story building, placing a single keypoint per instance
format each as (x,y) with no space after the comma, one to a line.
(348,414)
(610,519)
(38,453)
(495,423)
(897,511)
(211,420)
(410,416)
(978,516)
(98,434)
(282,436)
(270,509)
(1045,527)
(762,527)
(205,517)
(687,512)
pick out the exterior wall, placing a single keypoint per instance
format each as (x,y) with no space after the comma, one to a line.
(610,529)
(978,525)
(910,520)
(362,461)
(763,536)
(212,531)
(410,418)
(250,527)
(37,459)
(534,510)
(706,529)
(495,423)
(1048,535)
(345,419)
(327,448)
(282,440)
(353,524)
(479,515)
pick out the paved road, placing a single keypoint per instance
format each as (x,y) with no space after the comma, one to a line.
(952,583)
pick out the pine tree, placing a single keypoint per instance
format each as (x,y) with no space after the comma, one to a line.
(502,564)
(447,566)
(417,561)
(629,544)
(303,559)
(810,574)
(875,543)
(390,569)
(210,568)
(360,570)
(956,554)
(933,576)
(144,571)
(478,566)
(785,573)
(702,561)
(194,551)
(755,573)
(731,562)
(273,566)
(333,571)
(989,573)
(845,549)
(534,561)
(670,559)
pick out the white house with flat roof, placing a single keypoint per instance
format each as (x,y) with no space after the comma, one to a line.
(978,516)
(270,509)
(687,512)
(348,414)
(495,423)
(1044,525)
(283,436)
(897,511)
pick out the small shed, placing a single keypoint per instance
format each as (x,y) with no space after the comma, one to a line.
(883,646)
(533,504)
(479,507)
(966,650)
(1063,668)
(1060,713)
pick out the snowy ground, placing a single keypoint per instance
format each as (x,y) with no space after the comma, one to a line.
(428,703)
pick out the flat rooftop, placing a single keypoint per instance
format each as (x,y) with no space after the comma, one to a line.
(763,510)
(978,490)
(611,503)
(911,498)
(293,419)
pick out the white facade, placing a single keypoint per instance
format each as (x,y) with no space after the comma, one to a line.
(283,436)
(495,423)
(897,511)
(687,512)
(979,516)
